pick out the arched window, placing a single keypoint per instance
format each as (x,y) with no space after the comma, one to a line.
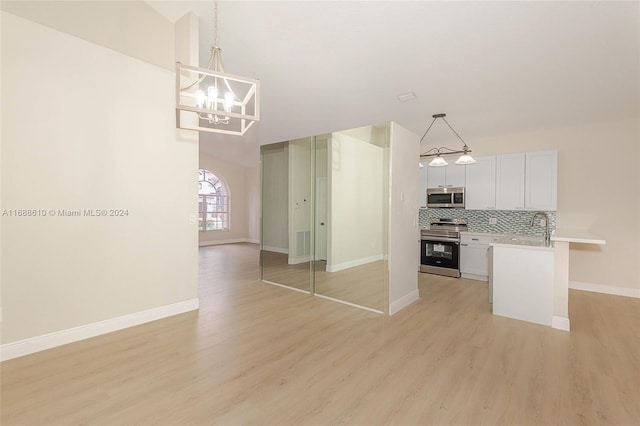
(213,205)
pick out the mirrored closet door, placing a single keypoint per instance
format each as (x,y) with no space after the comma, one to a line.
(325,215)
(286,214)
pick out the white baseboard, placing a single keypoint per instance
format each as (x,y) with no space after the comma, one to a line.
(63,337)
(298,260)
(276,249)
(403,302)
(353,263)
(475,277)
(561,323)
(252,241)
(606,289)
(205,243)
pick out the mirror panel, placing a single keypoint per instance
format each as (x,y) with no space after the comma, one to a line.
(325,198)
(351,199)
(285,247)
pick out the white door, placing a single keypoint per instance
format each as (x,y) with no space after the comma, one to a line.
(321,218)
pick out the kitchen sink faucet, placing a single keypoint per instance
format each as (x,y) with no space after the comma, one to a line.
(547,236)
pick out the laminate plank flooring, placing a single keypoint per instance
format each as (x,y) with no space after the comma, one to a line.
(265,355)
(363,285)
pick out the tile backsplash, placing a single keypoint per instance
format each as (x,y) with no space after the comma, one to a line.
(508,221)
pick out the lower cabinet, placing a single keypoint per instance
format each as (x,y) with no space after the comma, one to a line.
(474,256)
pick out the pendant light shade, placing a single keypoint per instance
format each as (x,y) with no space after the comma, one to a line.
(465,159)
(438,162)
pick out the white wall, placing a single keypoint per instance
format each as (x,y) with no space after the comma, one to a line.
(130,27)
(356,224)
(404,247)
(235,178)
(252,190)
(600,196)
(85,127)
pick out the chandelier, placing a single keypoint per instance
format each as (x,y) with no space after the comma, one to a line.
(215,101)
(437,153)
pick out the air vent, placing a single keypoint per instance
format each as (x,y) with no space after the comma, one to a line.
(403,97)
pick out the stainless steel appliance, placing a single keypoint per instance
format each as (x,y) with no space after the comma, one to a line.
(440,247)
(447,197)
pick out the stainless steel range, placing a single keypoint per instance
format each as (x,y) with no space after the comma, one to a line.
(440,247)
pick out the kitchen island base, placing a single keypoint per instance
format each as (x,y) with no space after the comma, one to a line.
(523,278)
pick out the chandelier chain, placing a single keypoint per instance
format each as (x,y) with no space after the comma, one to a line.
(429,128)
(215,24)
(445,120)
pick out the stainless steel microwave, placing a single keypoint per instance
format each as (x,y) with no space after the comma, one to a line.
(448,197)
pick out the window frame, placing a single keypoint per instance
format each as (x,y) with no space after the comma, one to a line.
(214,204)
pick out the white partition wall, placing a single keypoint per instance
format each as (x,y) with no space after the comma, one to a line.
(404,246)
(89,141)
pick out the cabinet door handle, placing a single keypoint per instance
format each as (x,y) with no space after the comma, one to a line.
(464,245)
(475,239)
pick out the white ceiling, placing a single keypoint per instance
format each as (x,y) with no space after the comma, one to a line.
(493,67)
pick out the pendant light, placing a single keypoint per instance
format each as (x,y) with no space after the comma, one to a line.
(437,153)
(218,102)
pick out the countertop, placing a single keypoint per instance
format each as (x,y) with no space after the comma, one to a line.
(482,234)
(576,236)
(523,242)
(473,233)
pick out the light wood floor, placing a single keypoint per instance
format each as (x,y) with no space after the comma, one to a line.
(261,354)
(363,285)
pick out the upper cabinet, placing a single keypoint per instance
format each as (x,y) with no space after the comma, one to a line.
(480,191)
(510,171)
(452,175)
(541,180)
(527,181)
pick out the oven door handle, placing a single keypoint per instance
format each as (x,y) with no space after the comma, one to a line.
(441,239)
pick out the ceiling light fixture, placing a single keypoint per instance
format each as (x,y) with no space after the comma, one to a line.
(437,153)
(228,103)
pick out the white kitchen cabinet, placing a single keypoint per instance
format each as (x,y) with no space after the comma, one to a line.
(436,177)
(510,181)
(452,175)
(527,181)
(541,180)
(480,184)
(474,256)
(456,174)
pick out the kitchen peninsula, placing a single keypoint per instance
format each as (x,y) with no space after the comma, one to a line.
(530,278)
